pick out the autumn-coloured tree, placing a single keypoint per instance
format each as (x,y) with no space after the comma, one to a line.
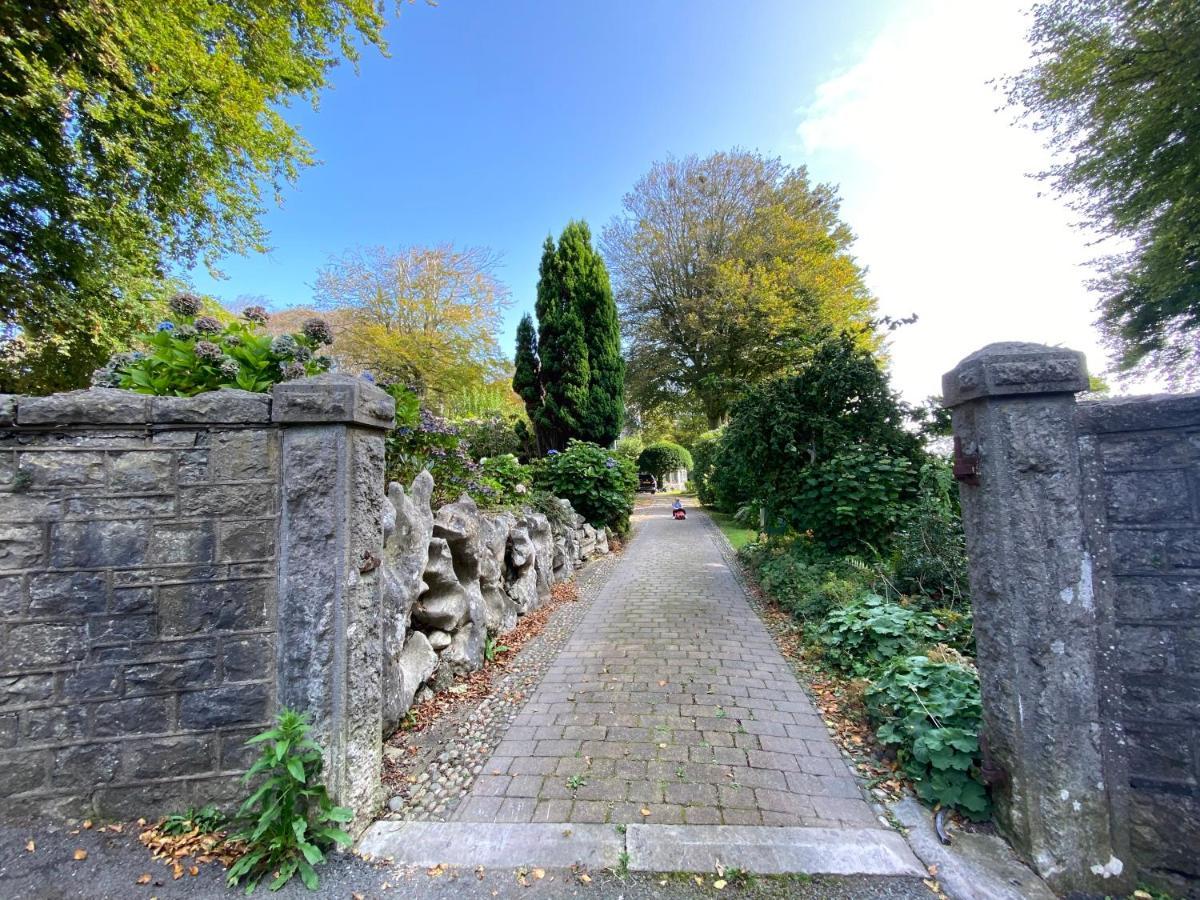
(424,316)
(723,267)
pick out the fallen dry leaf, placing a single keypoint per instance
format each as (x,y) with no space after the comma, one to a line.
(436,871)
(719,884)
(176,871)
(144,878)
(539,874)
(479,870)
(30,846)
(81,854)
(584,878)
(87,823)
(194,871)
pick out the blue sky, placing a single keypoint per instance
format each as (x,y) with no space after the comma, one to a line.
(494,122)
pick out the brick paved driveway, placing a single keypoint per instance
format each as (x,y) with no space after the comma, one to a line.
(669,704)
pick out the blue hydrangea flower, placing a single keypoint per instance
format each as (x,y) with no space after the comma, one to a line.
(552,453)
(610,463)
(367,377)
(165,326)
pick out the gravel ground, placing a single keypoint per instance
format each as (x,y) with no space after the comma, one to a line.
(115,861)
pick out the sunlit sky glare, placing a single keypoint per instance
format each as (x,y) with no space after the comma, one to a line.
(494,123)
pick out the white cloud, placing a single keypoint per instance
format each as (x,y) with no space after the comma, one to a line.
(936,183)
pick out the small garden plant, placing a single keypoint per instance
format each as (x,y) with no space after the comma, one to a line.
(289,822)
(599,483)
(192,352)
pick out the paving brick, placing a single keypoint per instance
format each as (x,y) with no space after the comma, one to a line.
(728,715)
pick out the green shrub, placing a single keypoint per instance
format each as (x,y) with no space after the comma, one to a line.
(287,823)
(662,457)
(803,577)
(866,633)
(930,712)
(704,456)
(928,556)
(191,352)
(853,499)
(599,484)
(630,447)
(829,431)
(492,435)
(507,477)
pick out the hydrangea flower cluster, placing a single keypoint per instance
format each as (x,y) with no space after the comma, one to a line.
(194,351)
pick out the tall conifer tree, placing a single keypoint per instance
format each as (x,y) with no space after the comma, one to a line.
(571,374)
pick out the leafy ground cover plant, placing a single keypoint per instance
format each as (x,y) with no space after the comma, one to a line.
(930,712)
(599,483)
(288,822)
(206,820)
(865,634)
(192,352)
(803,577)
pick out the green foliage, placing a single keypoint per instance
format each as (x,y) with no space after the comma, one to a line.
(432,443)
(930,712)
(192,353)
(928,558)
(662,457)
(492,435)
(724,267)
(599,483)
(864,634)
(1113,85)
(804,577)
(630,447)
(855,497)
(824,449)
(288,822)
(492,648)
(139,138)
(507,477)
(704,457)
(562,354)
(527,368)
(206,820)
(571,375)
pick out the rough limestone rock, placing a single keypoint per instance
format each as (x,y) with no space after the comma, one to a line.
(499,609)
(407,528)
(602,542)
(439,640)
(538,527)
(522,574)
(416,663)
(444,604)
(458,524)
(587,541)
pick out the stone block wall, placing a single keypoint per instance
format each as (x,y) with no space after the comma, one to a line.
(175,570)
(1141,486)
(1083,533)
(138,556)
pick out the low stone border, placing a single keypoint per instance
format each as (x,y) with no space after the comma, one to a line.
(452,752)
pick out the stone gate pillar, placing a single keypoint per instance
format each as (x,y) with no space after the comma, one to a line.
(330,657)
(1038,626)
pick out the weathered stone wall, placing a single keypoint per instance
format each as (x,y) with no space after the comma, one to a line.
(138,552)
(1082,532)
(453,577)
(1141,487)
(173,571)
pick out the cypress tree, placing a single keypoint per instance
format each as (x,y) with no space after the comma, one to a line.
(562,352)
(527,381)
(604,411)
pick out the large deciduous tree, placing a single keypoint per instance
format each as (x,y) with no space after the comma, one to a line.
(723,267)
(1113,85)
(571,376)
(137,137)
(424,316)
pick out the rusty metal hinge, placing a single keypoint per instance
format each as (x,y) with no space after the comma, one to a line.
(966,465)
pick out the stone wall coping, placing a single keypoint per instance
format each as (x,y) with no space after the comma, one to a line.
(1144,413)
(324,398)
(333,398)
(1013,369)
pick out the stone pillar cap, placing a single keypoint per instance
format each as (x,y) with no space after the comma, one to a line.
(333,398)
(1014,368)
